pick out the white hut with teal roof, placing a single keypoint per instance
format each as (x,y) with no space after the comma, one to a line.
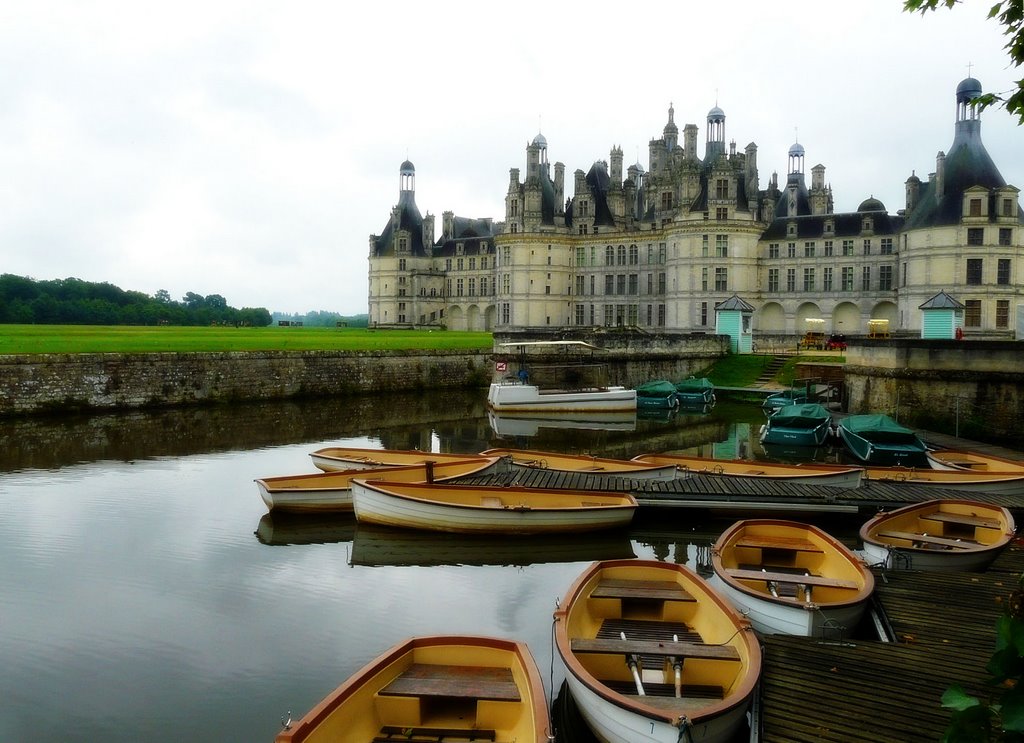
(732,318)
(942,316)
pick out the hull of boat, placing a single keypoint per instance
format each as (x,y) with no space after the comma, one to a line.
(805,474)
(340,458)
(332,491)
(972,462)
(504,398)
(495,510)
(795,436)
(394,695)
(645,402)
(655,605)
(970,482)
(529,424)
(938,535)
(791,578)
(526,459)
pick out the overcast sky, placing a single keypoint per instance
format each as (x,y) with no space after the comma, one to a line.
(249,149)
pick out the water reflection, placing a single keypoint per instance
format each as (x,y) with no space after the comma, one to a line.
(138,604)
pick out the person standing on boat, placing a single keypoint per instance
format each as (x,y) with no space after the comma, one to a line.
(524,376)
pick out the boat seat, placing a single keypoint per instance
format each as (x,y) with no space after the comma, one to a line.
(962,519)
(466,682)
(661,590)
(392,733)
(781,577)
(785,543)
(692,691)
(963,544)
(654,648)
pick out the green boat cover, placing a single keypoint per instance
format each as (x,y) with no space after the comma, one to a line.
(799,416)
(877,427)
(695,385)
(659,388)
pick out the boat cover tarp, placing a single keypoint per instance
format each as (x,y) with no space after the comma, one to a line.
(877,427)
(695,385)
(660,388)
(809,415)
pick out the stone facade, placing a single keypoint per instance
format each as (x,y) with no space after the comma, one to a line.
(659,248)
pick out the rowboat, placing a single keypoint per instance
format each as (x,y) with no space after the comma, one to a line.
(790,578)
(693,390)
(785,398)
(878,440)
(434,688)
(942,534)
(657,395)
(528,459)
(954,459)
(332,491)
(1006,483)
(834,475)
(339,458)
(654,655)
(797,425)
(488,509)
(512,395)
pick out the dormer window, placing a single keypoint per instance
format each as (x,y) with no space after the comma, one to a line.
(867,225)
(975,207)
(403,245)
(459,248)
(791,229)
(830,227)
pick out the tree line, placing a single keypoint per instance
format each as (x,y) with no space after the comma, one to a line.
(323,319)
(75,302)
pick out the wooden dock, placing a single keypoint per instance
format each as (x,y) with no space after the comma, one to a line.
(941,629)
(725,493)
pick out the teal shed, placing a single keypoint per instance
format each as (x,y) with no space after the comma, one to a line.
(942,316)
(733,318)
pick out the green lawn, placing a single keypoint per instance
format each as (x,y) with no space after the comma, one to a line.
(17,339)
(742,370)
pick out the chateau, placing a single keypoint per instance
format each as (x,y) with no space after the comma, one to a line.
(660,248)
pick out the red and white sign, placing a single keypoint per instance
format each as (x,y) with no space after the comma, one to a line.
(500,366)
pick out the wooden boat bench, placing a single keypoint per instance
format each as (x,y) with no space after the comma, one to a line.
(657,590)
(963,544)
(659,648)
(781,577)
(962,520)
(465,682)
(667,691)
(394,733)
(778,543)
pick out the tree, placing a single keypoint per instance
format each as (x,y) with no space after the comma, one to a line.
(1010,14)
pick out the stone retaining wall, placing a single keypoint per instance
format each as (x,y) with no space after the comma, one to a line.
(62,382)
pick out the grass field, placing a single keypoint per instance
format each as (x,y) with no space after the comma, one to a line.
(17,339)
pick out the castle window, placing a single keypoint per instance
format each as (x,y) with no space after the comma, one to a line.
(581,285)
(662,253)
(1003,271)
(847,279)
(809,250)
(721,213)
(1008,210)
(867,247)
(447,264)
(974,271)
(866,278)
(826,279)
(634,284)
(704,246)
(472,264)
(459,248)
(886,246)
(661,284)
(621,254)
(773,279)
(460,263)
(1005,236)
(975,236)
(722,246)
(975,207)
(1002,313)
(472,287)
(704,278)
(972,313)
(483,263)
(791,250)
(829,227)
(828,248)
(773,250)
(661,315)
(403,245)
(722,188)
(513,208)
(666,200)
(583,229)
(609,256)
(459,287)
(790,279)
(620,284)
(401,264)
(584,209)
(867,225)
(884,278)
(579,314)
(847,247)
(808,279)
(791,229)
(514,228)
(609,285)
(703,313)
(634,255)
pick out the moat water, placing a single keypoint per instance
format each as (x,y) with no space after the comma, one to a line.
(146,595)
